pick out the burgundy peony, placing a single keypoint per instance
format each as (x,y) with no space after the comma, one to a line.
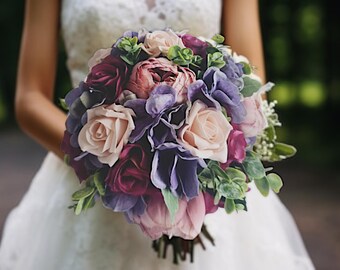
(110,75)
(196,45)
(131,174)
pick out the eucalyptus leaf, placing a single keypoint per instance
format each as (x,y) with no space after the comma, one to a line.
(235,174)
(250,86)
(79,206)
(275,182)
(82,193)
(230,191)
(239,207)
(219,39)
(217,198)
(253,166)
(246,68)
(262,185)
(229,206)
(173,52)
(171,203)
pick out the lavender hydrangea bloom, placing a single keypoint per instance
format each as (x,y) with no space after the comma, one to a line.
(154,116)
(222,89)
(175,168)
(120,202)
(234,72)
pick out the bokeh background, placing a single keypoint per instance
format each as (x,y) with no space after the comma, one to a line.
(301,44)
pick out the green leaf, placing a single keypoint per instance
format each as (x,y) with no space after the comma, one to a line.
(235,174)
(99,183)
(230,191)
(89,202)
(173,52)
(262,185)
(284,150)
(219,39)
(79,206)
(275,182)
(171,203)
(271,133)
(82,193)
(217,198)
(216,60)
(229,206)
(250,86)
(67,159)
(63,104)
(246,68)
(253,166)
(239,207)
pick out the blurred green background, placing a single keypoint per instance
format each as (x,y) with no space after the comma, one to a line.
(301,41)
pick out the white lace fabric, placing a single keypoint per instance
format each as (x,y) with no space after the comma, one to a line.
(89,25)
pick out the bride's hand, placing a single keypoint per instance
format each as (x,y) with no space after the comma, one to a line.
(35,111)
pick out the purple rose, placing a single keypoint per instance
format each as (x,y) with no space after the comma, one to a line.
(196,45)
(109,76)
(131,174)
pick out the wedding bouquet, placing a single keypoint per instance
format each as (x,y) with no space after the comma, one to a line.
(167,127)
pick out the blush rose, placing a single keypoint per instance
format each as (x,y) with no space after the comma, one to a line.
(159,42)
(106,132)
(206,132)
(255,121)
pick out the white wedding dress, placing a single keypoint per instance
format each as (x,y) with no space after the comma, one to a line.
(41,233)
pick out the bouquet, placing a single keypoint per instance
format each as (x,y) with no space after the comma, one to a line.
(166,128)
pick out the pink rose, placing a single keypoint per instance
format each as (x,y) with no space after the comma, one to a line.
(156,221)
(159,42)
(146,75)
(131,173)
(255,121)
(236,148)
(206,132)
(106,132)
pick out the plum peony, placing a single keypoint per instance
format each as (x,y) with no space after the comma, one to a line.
(148,74)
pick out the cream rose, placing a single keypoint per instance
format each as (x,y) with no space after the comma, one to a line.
(206,132)
(159,42)
(106,132)
(255,121)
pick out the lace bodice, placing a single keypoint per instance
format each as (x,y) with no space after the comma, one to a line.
(89,25)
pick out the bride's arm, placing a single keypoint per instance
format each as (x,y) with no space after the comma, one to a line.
(241,27)
(35,111)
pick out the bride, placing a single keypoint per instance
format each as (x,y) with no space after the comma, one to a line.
(41,233)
